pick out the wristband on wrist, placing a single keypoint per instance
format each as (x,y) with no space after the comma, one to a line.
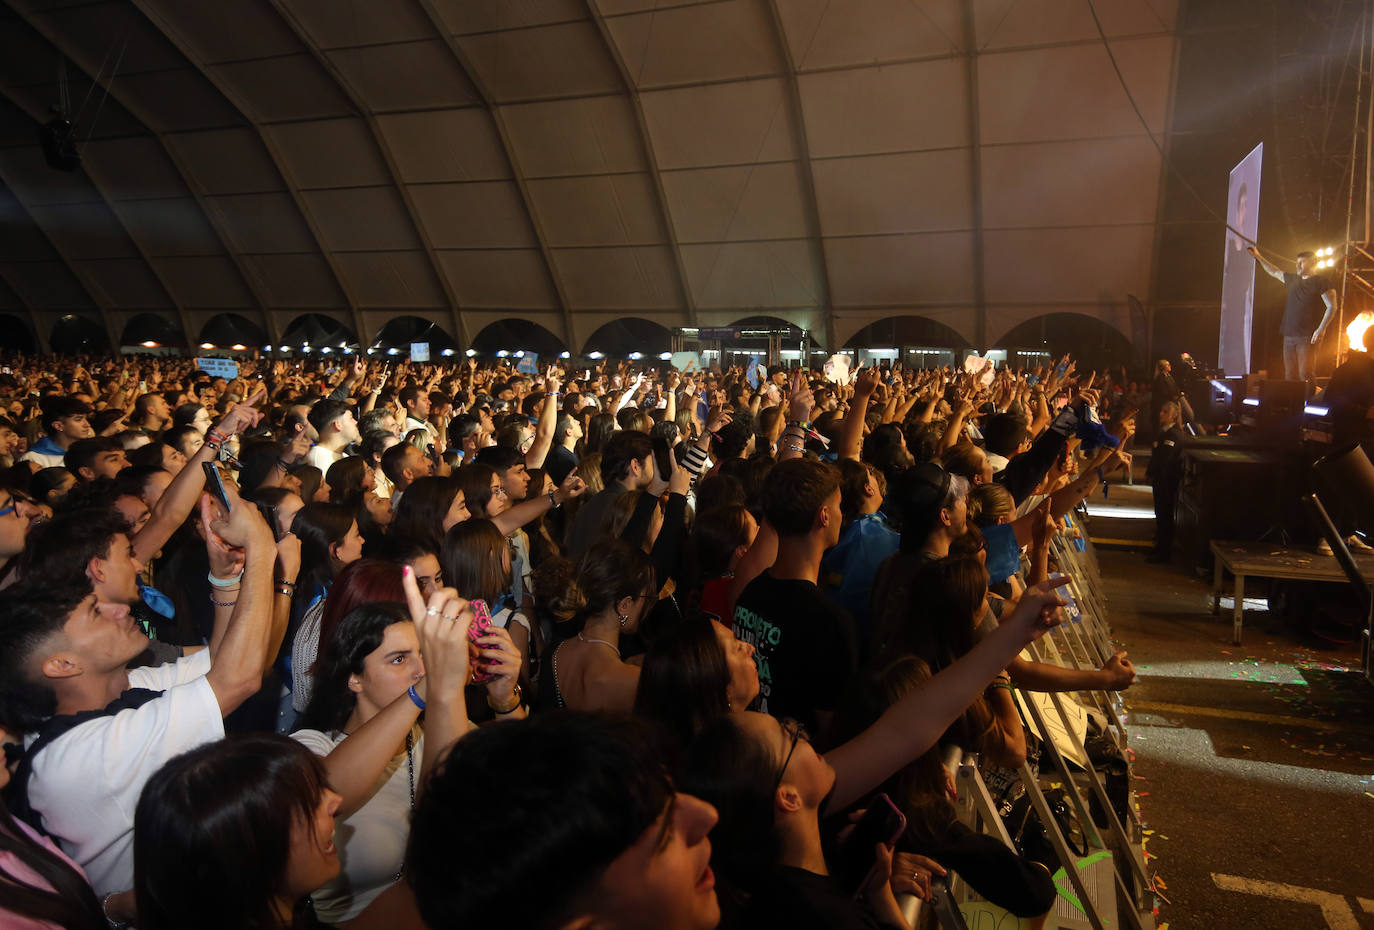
(224,582)
(222,603)
(518,699)
(415,698)
(553,502)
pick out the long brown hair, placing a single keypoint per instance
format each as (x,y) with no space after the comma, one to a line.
(70,904)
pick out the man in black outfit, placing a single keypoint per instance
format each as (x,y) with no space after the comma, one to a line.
(1350,394)
(803,644)
(1304,323)
(1164,474)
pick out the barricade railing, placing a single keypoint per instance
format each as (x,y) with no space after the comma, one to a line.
(1087,897)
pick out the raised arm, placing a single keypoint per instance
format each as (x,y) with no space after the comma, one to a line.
(852,430)
(175,504)
(548,422)
(1269,267)
(239,655)
(911,726)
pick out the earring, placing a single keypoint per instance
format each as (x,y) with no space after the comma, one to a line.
(624,619)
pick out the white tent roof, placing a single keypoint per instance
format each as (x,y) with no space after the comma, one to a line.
(572,163)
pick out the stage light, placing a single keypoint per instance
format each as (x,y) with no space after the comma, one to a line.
(665,356)
(596,355)
(305,349)
(470,353)
(565,355)
(326,350)
(501,353)
(149,344)
(520,353)
(347,350)
(446,353)
(207,345)
(636,356)
(393,351)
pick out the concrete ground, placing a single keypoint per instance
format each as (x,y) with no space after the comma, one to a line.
(1254,763)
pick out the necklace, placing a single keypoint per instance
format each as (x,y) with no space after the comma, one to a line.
(612,646)
(410,775)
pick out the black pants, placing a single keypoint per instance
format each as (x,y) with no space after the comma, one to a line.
(1009,880)
(1166,496)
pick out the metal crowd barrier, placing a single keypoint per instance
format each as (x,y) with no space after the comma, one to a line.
(1110,886)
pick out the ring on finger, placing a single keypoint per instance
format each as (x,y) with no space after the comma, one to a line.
(432,612)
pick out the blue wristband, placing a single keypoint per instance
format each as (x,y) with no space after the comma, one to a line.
(415,698)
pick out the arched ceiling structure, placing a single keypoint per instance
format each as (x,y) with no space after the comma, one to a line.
(573,162)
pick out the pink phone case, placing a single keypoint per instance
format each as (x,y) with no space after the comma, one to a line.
(480,626)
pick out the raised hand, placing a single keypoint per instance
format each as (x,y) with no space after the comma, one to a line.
(441,626)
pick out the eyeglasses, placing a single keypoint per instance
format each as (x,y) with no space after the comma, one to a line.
(15,500)
(798,734)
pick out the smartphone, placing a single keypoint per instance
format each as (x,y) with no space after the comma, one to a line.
(215,485)
(663,457)
(883,822)
(480,626)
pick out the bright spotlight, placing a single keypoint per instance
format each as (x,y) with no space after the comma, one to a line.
(207,345)
(470,353)
(520,353)
(446,353)
(596,355)
(305,349)
(501,353)
(393,351)
(565,355)
(636,356)
(238,347)
(665,356)
(149,344)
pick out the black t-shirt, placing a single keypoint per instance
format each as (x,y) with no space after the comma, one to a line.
(559,463)
(1305,306)
(794,899)
(803,646)
(1350,395)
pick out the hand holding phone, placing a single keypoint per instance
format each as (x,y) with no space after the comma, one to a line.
(883,822)
(480,626)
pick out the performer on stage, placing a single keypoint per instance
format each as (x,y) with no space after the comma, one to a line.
(1307,293)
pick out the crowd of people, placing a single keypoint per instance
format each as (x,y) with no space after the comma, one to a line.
(363,644)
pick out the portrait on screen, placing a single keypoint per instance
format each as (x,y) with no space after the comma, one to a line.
(1238,276)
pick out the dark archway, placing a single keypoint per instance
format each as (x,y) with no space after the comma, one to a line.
(317,331)
(1093,343)
(915,341)
(74,334)
(630,336)
(517,336)
(401,332)
(232,331)
(16,335)
(156,328)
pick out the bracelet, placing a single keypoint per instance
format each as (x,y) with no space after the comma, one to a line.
(801,424)
(415,698)
(223,603)
(553,504)
(215,436)
(283,464)
(519,699)
(1001,684)
(288,590)
(105,912)
(224,582)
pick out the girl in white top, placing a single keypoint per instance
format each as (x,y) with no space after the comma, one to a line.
(383,666)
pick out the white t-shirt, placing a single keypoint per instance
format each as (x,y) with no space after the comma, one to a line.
(322,458)
(86,783)
(371,840)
